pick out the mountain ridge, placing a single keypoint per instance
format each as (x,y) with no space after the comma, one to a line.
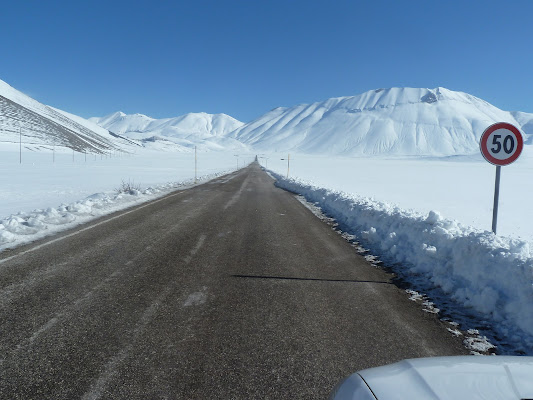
(394,121)
(208,131)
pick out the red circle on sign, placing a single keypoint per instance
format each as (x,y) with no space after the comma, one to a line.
(484,145)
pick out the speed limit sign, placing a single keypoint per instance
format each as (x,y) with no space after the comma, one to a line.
(501,144)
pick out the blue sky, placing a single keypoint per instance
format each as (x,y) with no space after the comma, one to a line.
(243,58)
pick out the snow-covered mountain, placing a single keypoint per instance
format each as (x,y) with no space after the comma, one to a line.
(207,131)
(43,125)
(525,121)
(392,122)
(396,121)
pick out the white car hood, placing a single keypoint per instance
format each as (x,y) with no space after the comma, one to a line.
(464,377)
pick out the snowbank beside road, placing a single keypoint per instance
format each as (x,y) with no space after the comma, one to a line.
(490,274)
(25,227)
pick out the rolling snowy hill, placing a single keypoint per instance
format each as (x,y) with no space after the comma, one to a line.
(207,131)
(40,125)
(397,121)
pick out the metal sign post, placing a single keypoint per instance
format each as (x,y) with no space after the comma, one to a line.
(501,144)
(496,199)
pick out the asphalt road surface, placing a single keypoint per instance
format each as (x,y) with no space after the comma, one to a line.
(228,290)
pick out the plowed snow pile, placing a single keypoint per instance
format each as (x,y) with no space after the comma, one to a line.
(490,274)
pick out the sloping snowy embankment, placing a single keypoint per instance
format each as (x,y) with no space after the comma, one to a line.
(25,227)
(491,274)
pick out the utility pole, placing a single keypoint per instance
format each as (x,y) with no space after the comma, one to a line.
(288,164)
(20,145)
(195,166)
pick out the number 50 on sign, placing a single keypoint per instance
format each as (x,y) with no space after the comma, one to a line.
(501,144)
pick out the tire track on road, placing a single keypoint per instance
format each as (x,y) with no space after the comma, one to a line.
(111,368)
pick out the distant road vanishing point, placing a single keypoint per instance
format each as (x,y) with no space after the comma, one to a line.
(229,290)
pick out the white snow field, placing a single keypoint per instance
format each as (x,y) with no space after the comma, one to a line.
(431,219)
(40,197)
(460,188)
